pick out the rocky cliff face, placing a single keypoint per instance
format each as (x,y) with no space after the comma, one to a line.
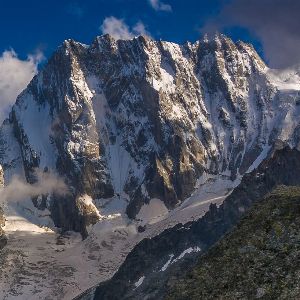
(154,262)
(141,119)
(3,238)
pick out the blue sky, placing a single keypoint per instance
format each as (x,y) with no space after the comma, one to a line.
(31,30)
(43,25)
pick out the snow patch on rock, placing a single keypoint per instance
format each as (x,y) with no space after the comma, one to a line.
(139,282)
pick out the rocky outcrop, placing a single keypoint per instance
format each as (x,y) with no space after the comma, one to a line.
(3,238)
(142,119)
(153,262)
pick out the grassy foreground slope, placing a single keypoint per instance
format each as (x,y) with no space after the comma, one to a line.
(259,259)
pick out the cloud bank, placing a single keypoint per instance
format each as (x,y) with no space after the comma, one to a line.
(18,189)
(160,6)
(275,23)
(120,30)
(15,74)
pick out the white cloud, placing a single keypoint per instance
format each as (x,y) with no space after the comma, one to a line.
(120,30)
(15,74)
(18,189)
(117,28)
(160,6)
(139,28)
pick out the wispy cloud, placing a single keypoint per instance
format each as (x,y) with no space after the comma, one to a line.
(160,6)
(18,189)
(120,30)
(15,74)
(275,23)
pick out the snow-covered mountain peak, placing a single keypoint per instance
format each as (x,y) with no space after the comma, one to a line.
(142,119)
(145,134)
(288,79)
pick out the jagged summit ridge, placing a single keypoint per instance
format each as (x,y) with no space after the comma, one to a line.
(127,121)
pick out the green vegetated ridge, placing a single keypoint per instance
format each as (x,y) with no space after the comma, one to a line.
(260,258)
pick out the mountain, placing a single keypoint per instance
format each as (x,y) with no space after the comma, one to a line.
(142,119)
(153,262)
(257,260)
(122,139)
(3,238)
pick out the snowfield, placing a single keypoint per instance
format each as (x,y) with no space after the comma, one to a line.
(40,263)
